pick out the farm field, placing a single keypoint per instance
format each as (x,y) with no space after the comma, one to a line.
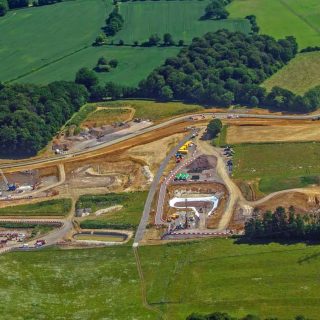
(307,131)
(56,207)
(32,38)
(222,276)
(278,165)
(300,75)
(129,71)
(71,284)
(280,18)
(127,217)
(180,18)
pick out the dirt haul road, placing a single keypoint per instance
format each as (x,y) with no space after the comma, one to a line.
(172,122)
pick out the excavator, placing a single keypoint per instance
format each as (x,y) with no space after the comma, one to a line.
(10,186)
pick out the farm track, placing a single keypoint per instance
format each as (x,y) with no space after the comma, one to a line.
(144,287)
(48,64)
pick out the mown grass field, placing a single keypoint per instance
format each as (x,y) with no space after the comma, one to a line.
(278,166)
(203,276)
(300,75)
(126,218)
(180,18)
(31,38)
(56,207)
(134,65)
(280,18)
(76,284)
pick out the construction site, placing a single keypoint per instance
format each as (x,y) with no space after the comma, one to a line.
(190,183)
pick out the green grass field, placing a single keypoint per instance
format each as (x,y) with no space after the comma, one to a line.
(156,110)
(300,75)
(128,217)
(279,166)
(180,18)
(134,64)
(280,18)
(204,276)
(32,38)
(56,207)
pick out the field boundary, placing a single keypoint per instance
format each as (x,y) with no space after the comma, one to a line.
(287,6)
(47,64)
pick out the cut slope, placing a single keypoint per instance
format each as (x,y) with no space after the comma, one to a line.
(280,18)
(300,75)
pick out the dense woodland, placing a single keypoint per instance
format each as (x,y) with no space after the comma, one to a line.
(224,68)
(30,115)
(5,5)
(225,316)
(283,225)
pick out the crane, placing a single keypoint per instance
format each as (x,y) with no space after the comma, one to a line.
(11,187)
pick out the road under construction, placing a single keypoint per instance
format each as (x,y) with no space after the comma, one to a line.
(182,124)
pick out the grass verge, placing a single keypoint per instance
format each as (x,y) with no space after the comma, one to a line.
(153,110)
(56,207)
(126,218)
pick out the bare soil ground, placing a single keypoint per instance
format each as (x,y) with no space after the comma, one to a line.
(303,203)
(153,153)
(264,131)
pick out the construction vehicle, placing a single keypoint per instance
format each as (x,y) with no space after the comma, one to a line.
(10,186)
(175,216)
(183,151)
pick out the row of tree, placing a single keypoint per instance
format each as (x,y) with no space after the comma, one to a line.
(283,225)
(5,5)
(225,68)
(253,21)
(225,316)
(114,22)
(31,115)
(214,127)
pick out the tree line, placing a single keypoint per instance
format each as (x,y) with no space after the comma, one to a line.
(283,225)
(31,115)
(224,68)
(5,5)
(226,316)
(114,22)
(214,128)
